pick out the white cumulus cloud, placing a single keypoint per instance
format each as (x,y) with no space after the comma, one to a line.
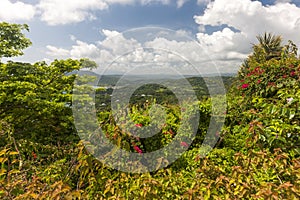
(84,50)
(121,52)
(239,22)
(16,10)
(56,12)
(60,12)
(55,51)
(245,19)
(117,43)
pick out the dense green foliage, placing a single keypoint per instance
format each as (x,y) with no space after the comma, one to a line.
(12,40)
(34,98)
(264,103)
(257,156)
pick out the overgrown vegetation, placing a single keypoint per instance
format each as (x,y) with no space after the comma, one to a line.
(257,156)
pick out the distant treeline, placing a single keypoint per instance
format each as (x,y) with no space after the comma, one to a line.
(157,91)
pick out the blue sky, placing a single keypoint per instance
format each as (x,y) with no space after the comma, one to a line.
(85,28)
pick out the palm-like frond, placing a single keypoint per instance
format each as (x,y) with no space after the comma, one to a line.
(271,44)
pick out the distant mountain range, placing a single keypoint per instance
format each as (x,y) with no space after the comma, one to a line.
(160,87)
(197,82)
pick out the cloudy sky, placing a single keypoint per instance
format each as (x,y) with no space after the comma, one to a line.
(218,32)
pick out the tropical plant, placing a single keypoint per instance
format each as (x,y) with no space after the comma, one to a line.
(257,156)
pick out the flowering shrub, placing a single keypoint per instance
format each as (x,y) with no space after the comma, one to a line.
(138,149)
(257,156)
(264,106)
(123,134)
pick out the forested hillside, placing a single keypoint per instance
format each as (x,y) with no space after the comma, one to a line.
(256,156)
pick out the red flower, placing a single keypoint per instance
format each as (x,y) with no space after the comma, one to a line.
(284,76)
(34,155)
(184,144)
(244,86)
(271,84)
(137,149)
(138,125)
(292,73)
(258,81)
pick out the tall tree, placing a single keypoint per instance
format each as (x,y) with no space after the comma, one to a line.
(36,98)
(12,39)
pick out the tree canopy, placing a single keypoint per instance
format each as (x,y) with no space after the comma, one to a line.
(12,39)
(36,98)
